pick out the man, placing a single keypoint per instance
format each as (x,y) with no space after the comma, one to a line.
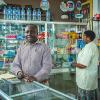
(86,68)
(33,59)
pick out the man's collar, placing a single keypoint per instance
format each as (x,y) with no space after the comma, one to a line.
(37,42)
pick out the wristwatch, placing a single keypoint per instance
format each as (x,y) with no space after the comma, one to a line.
(20,75)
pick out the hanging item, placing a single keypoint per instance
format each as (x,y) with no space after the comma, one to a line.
(70,5)
(64,16)
(63,6)
(79,5)
(78,15)
(62,35)
(42,35)
(97,16)
(44,5)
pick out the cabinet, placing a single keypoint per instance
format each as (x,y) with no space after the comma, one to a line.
(56,37)
(14,89)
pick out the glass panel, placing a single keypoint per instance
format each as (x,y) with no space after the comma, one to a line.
(14,86)
(18,90)
(41,95)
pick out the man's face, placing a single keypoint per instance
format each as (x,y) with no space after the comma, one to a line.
(30,34)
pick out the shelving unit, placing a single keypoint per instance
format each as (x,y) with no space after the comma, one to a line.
(40,22)
(52,28)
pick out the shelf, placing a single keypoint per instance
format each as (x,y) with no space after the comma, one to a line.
(96,20)
(59,70)
(40,22)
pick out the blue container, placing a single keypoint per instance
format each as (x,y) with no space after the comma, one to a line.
(1,64)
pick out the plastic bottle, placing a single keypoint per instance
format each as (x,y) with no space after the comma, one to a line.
(5,12)
(47,15)
(17,13)
(14,13)
(10,13)
(23,13)
(34,15)
(28,13)
(45,5)
(38,15)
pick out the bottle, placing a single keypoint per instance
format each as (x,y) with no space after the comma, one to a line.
(10,13)
(47,15)
(5,12)
(28,13)
(44,5)
(38,15)
(23,13)
(14,13)
(17,13)
(34,15)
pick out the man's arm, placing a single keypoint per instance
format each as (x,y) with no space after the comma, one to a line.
(16,65)
(46,66)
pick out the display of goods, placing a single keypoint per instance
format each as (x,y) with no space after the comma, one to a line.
(78,5)
(70,5)
(63,6)
(79,35)
(64,16)
(80,43)
(98,42)
(97,16)
(42,35)
(44,4)
(9,54)
(20,37)
(62,35)
(72,35)
(78,15)
(61,42)
(1,63)
(1,52)
(11,36)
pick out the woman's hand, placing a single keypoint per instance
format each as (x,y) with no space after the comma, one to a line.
(74,64)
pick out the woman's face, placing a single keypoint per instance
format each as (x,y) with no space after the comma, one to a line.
(30,34)
(86,39)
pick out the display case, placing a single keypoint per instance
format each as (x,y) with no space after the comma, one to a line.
(57,35)
(64,40)
(14,89)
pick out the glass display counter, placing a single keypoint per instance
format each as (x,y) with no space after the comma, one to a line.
(14,89)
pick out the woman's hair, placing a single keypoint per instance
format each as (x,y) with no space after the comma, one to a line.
(90,34)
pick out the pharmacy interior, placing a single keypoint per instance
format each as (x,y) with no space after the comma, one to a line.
(61,24)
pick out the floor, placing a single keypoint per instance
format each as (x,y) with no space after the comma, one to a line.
(66,84)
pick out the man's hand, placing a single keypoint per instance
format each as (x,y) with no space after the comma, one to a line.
(28,78)
(20,75)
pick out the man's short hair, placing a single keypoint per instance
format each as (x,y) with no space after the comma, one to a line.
(90,34)
(34,27)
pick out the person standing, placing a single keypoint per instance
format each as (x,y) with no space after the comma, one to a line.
(33,59)
(87,68)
